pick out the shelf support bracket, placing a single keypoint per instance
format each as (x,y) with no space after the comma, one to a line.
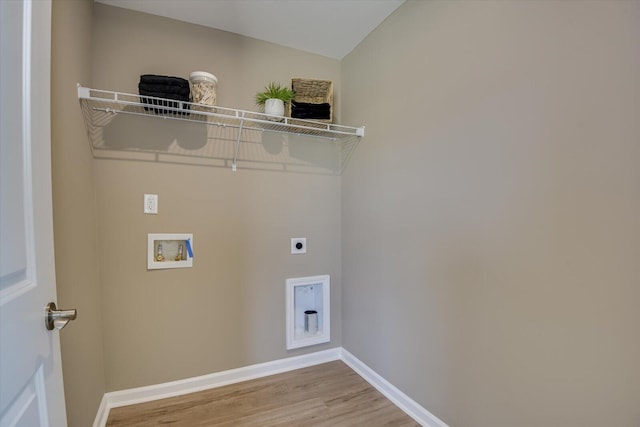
(234,166)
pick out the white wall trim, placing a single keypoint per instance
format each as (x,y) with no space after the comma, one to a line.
(190,385)
(103,413)
(401,400)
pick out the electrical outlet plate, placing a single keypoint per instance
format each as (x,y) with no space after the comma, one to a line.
(299,245)
(151,203)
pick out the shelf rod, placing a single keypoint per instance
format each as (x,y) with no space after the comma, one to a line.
(234,165)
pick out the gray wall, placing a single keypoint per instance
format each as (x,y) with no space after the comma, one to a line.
(229,309)
(490,216)
(74,212)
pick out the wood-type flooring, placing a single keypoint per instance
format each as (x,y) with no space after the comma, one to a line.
(331,394)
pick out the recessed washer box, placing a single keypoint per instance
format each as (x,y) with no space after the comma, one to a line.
(174,250)
(308,311)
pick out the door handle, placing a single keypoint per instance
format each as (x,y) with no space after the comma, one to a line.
(57,319)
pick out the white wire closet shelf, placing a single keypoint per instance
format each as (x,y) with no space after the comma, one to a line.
(136,127)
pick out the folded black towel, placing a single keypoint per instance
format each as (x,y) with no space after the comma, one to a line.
(305,110)
(310,115)
(311,107)
(175,96)
(164,80)
(160,88)
(168,88)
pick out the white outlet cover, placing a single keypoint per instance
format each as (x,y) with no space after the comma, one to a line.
(151,203)
(294,245)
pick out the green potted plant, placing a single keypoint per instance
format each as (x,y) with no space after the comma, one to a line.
(273,98)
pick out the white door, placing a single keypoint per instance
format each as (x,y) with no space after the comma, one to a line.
(31,390)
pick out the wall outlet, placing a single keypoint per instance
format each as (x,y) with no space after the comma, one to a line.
(151,203)
(299,245)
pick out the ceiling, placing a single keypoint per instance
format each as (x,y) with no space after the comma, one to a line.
(326,27)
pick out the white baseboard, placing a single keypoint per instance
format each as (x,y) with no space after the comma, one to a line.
(401,400)
(103,413)
(190,385)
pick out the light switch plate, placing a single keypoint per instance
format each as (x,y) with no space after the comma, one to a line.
(299,245)
(151,203)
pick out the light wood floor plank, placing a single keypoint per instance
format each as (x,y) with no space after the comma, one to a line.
(330,394)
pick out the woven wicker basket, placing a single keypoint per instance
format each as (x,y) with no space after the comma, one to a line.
(314,92)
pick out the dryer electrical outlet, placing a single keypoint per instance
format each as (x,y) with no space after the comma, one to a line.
(151,203)
(299,245)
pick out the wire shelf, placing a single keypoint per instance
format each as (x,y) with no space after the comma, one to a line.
(226,128)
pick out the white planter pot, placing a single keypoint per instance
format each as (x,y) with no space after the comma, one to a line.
(274,107)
